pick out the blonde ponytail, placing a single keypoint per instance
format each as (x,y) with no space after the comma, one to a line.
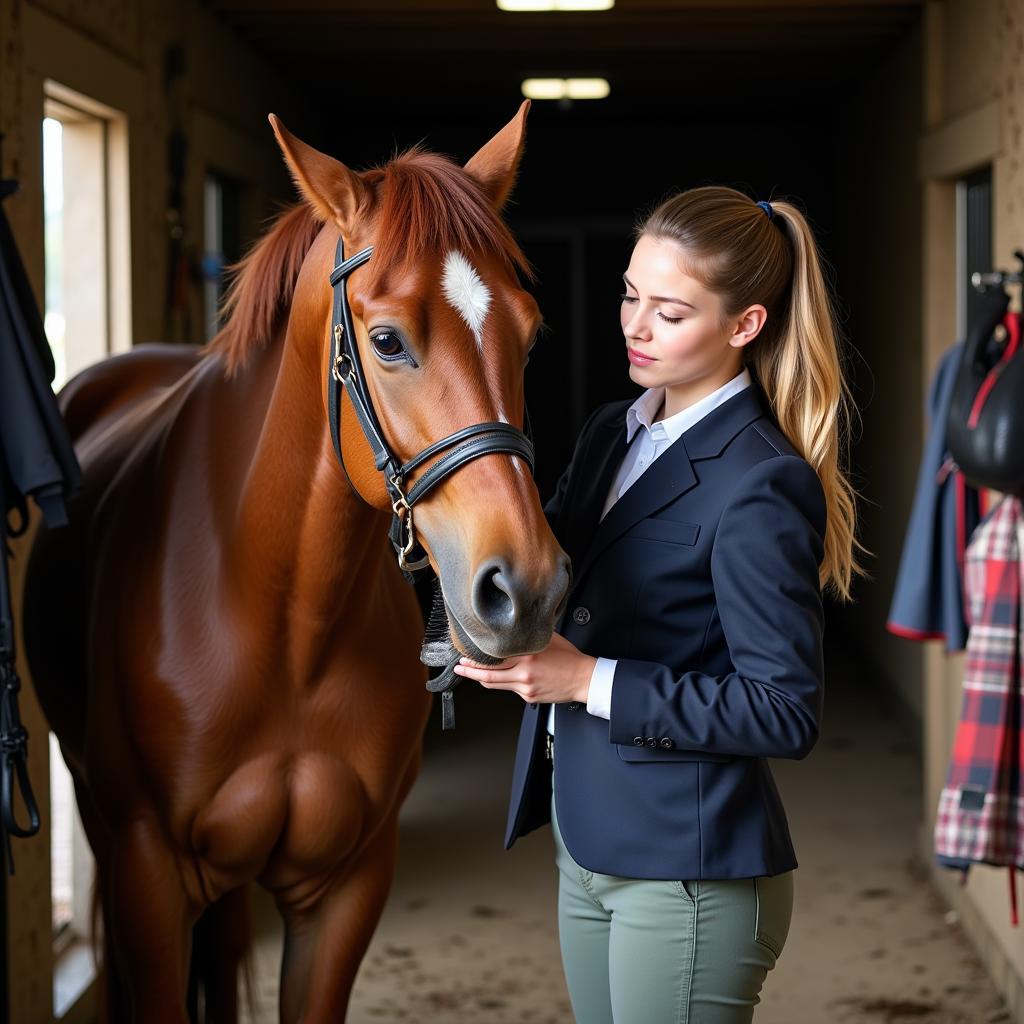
(729,244)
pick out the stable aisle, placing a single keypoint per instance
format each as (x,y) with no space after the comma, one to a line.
(469,934)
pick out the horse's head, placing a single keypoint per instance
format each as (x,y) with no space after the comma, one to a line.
(443,329)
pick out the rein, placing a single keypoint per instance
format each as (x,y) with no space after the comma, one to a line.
(462,446)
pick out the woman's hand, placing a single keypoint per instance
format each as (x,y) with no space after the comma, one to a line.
(559,673)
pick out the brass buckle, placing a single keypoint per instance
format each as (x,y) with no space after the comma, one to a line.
(340,357)
(400,506)
(401,503)
(336,368)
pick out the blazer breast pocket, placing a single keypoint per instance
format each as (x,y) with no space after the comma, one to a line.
(632,752)
(671,531)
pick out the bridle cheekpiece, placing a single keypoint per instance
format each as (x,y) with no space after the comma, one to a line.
(460,447)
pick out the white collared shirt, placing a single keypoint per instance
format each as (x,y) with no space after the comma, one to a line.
(644,446)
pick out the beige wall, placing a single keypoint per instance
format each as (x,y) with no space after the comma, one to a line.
(113,51)
(974,94)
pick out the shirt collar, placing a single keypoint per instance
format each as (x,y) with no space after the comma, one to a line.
(642,412)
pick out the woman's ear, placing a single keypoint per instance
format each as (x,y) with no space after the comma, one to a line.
(495,165)
(749,325)
(333,191)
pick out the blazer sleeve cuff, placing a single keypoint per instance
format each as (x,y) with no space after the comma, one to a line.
(599,699)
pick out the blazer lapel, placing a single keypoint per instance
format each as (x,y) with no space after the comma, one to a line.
(669,476)
(603,458)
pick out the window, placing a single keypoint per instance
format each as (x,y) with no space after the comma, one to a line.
(85,191)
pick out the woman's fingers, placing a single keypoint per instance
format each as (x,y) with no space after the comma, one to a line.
(497,676)
(515,678)
(518,675)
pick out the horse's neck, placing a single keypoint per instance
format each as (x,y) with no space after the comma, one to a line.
(301,529)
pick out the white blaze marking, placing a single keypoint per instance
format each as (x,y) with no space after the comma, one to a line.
(467,293)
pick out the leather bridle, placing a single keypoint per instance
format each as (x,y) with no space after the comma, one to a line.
(460,447)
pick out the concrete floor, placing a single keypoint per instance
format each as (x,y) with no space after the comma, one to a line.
(469,935)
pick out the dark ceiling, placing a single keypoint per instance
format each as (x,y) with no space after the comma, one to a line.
(743,93)
(660,56)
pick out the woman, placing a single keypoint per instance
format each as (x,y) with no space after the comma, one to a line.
(691,648)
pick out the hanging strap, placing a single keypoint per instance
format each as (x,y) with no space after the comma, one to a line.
(13,735)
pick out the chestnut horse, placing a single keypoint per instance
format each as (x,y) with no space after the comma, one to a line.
(222,639)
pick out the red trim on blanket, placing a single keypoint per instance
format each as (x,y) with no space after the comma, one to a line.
(912,634)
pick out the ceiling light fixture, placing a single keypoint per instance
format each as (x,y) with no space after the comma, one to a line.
(555,5)
(566,88)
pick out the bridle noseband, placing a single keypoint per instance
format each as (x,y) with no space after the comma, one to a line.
(462,446)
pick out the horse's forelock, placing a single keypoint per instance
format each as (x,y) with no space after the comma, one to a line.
(428,206)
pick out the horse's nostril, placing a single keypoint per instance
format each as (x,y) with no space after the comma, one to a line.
(494,596)
(505,604)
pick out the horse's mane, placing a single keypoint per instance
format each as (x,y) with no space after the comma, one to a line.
(425,204)
(262,284)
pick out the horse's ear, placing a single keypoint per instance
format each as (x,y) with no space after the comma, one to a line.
(334,192)
(495,164)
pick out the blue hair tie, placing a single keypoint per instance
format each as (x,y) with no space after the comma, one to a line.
(767,207)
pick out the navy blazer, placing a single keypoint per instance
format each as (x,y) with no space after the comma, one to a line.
(703,581)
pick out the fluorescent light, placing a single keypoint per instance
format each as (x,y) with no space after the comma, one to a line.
(544,88)
(566,88)
(586,88)
(555,5)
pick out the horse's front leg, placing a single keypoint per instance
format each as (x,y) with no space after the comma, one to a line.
(151,918)
(325,943)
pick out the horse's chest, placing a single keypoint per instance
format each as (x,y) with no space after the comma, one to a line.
(282,819)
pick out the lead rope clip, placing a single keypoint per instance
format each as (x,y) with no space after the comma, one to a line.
(403,512)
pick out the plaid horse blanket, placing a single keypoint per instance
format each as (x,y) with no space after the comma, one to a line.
(981,809)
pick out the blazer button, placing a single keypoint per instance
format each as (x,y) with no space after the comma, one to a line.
(638,741)
(581,615)
(667,742)
(651,741)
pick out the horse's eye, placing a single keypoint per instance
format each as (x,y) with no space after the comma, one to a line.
(387,344)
